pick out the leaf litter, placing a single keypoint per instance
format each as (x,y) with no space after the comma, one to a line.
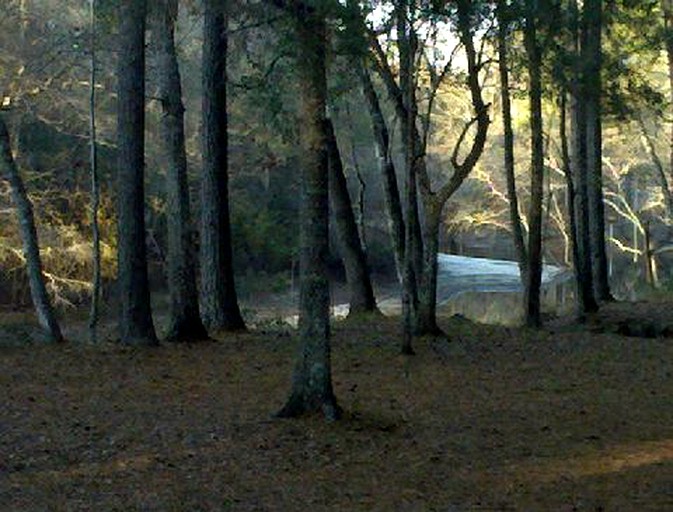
(568,418)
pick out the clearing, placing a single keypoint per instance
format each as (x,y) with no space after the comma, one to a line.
(569,418)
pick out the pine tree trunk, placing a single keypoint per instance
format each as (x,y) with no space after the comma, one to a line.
(599,260)
(96,280)
(31,248)
(312,389)
(534,273)
(570,185)
(353,255)
(387,170)
(185,322)
(508,135)
(584,276)
(413,256)
(219,301)
(136,325)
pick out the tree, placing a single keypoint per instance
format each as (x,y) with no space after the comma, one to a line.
(95,184)
(312,389)
(578,90)
(412,263)
(185,321)
(136,325)
(599,262)
(434,200)
(504,32)
(219,301)
(667,11)
(504,15)
(31,248)
(386,168)
(422,242)
(353,255)
(534,266)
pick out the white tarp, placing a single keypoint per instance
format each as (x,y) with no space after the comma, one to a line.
(460,274)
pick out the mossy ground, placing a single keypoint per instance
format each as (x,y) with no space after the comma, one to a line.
(569,418)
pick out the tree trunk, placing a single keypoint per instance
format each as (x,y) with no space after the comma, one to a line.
(136,325)
(648,252)
(503,66)
(427,292)
(599,260)
(219,302)
(387,169)
(534,273)
(667,9)
(586,300)
(658,165)
(570,185)
(31,248)
(353,255)
(95,185)
(185,323)
(312,380)
(434,201)
(413,260)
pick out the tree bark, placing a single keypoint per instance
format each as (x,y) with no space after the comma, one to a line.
(312,389)
(427,293)
(386,169)
(185,322)
(31,248)
(434,201)
(570,185)
(136,325)
(96,280)
(353,255)
(584,276)
(421,246)
(219,301)
(412,264)
(534,273)
(599,260)
(667,9)
(512,197)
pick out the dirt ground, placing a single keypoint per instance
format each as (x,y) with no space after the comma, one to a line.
(569,418)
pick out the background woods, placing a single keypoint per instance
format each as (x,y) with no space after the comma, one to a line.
(218,136)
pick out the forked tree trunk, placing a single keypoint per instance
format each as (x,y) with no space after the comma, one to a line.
(353,255)
(185,321)
(434,201)
(534,271)
(312,389)
(31,249)
(136,325)
(219,301)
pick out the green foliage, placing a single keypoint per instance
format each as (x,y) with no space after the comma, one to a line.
(264,218)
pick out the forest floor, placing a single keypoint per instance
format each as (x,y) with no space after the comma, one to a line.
(573,417)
